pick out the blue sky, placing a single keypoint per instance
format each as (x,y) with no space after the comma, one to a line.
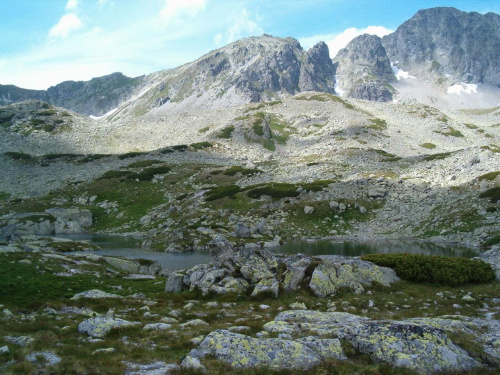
(45,42)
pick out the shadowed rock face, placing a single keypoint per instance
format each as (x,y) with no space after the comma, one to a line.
(441,41)
(363,69)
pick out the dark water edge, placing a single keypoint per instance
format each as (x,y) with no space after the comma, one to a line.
(130,247)
(362,247)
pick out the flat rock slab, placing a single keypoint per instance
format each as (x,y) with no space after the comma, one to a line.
(101,325)
(242,351)
(95,293)
(420,347)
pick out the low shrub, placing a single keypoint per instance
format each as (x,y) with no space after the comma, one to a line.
(149,173)
(180,148)
(114,174)
(201,145)
(276,190)
(493,194)
(244,171)
(489,176)
(226,133)
(143,163)
(221,192)
(131,155)
(18,155)
(435,269)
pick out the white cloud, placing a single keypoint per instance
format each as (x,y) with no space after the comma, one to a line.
(336,42)
(66,25)
(242,26)
(175,10)
(71,5)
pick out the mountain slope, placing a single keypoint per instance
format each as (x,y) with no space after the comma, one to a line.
(363,69)
(95,97)
(441,43)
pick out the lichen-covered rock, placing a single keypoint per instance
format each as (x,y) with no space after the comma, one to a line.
(19,340)
(221,251)
(101,325)
(155,368)
(419,347)
(256,268)
(281,327)
(204,278)
(157,327)
(174,282)
(50,358)
(192,363)
(231,285)
(351,274)
(123,264)
(266,286)
(326,348)
(242,351)
(95,293)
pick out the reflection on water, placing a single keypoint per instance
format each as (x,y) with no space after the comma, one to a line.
(129,247)
(357,248)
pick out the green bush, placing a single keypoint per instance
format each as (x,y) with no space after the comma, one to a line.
(489,176)
(180,148)
(114,174)
(143,163)
(221,192)
(201,145)
(18,155)
(244,171)
(226,132)
(149,173)
(435,269)
(493,194)
(275,190)
(131,155)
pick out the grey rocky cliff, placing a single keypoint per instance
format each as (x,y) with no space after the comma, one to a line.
(95,97)
(363,69)
(441,41)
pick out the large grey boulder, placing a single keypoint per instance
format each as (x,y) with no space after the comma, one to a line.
(241,351)
(337,273)
(174,282)
(70,220)
(101,325)
(420,347)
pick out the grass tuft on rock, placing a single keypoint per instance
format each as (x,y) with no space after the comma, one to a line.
(493,194)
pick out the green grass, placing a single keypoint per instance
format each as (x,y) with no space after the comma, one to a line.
(471,126)
(325,98)
(226,133)
(451,132)
(180,148)
(144,163)
(378,124)
(114,174)
(204,130)
(440,156)
(493,194)
(19,156)
(489,176)
(129,155)
(244,171)
(201,145)
(221,192)
(429,146)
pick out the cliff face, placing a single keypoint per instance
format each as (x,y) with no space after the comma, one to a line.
(95,97)
(441,42)
(363,69)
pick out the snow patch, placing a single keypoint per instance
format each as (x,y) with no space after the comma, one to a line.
(105,115)
(337,88)
(458,88)
(400,73)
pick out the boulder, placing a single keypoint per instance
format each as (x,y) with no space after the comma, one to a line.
(100,326)
(95,293)
(122,264)
(221,251)
(326,348)
(422,348)
(241,351)
(241,230)
(347,273)
(175,282)
(308,210)
(231,285)
(377,192)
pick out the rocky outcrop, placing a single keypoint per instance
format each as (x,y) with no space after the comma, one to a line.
(101,325)
(440,41)
(263,272)
(52,221)
(421,345)
(364,70)
(241,351)
(95,97)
